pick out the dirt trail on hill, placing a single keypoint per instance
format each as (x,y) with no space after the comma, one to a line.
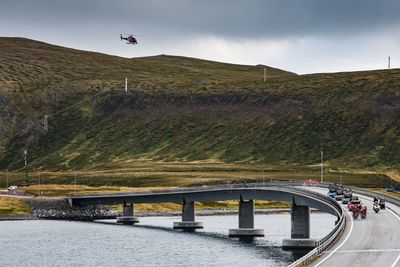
(394,176)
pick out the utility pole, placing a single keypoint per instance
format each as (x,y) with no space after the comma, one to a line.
(126,85)
(263,171)
(389,62)
(322,167)
(26,165)
(75,184)
(46,123)
(340,179)
(265,74)
(40,181)
(7,178)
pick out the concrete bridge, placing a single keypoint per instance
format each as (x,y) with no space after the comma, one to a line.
(302,200)
(371,242)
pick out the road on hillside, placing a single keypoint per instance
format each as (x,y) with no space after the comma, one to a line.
(372,242)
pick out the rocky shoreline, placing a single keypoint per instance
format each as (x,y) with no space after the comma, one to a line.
(59,209)
(81,214)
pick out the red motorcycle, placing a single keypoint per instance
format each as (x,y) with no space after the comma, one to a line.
(359,210)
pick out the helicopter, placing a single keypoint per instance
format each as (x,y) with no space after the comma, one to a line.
(131,40)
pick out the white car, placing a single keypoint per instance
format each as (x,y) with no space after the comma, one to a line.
(13,187)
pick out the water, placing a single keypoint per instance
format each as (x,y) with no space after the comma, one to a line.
(151,243)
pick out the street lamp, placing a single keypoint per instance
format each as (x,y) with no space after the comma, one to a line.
(263,166)
(322,167)
(75,184)
(26,165)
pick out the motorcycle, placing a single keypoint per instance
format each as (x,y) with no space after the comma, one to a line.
(359,210)
(382,204)
(375,207)
(363,212)
(355,213)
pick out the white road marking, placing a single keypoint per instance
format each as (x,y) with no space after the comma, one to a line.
(398,257)
(348,235)
(396,261)
(344,241)
(395,215)
(369,250)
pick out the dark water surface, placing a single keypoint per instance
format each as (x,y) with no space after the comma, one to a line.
(151,243)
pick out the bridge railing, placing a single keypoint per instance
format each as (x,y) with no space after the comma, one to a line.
(330,239)
(204,188)
(327,241)
(388,198)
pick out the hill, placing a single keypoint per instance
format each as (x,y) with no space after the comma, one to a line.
(186,109)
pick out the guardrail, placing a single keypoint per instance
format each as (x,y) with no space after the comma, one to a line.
(326,241)
(388,198)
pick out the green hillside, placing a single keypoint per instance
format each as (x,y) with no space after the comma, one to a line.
(185,109)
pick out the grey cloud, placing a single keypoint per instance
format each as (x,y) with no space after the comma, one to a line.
(274,18)
(226,18)
(298,35)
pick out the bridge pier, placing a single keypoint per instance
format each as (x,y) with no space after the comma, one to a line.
(300,229)
(246,221)
(127,215)
(188,217)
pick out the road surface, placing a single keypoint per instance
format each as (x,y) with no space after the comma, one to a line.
(373,242)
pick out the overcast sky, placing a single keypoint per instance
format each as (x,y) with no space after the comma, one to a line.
(303,36)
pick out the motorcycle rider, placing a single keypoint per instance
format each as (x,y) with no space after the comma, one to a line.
(382,203)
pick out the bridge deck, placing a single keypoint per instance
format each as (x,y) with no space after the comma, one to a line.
(289,194)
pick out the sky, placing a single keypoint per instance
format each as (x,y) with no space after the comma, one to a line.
(303,36)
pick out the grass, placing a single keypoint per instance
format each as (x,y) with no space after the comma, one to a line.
(188,122)
(149,175)
(394,194)
(70,190)
(13,207)
(178,174)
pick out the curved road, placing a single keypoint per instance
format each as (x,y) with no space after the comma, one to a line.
(372,242)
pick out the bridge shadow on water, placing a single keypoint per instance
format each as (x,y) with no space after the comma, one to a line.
(262,247)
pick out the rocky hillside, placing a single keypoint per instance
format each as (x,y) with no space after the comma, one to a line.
(185,109)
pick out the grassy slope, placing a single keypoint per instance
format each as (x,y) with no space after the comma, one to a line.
(13,207)
(184,109)
(176,174)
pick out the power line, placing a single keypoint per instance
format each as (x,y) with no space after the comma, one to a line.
(77,103)
(47,116)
